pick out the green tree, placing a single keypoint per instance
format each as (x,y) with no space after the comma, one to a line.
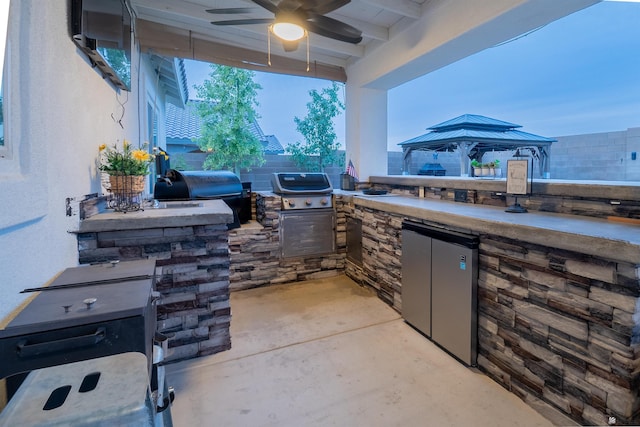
(228,111)
(320,148)
(178,162)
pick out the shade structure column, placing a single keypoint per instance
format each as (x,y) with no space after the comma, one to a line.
(545,162)
(406,160)
(464,149)
(366,130)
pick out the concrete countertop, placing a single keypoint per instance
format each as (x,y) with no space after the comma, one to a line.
(613,190)
(581,234)
(210,212)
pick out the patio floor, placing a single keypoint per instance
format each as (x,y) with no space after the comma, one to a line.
(329,352)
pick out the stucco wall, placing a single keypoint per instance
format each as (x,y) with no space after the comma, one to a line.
(60,110)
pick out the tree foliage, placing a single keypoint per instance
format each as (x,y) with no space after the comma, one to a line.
(320,148)
(228,112)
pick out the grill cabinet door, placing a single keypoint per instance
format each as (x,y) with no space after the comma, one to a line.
(308,232)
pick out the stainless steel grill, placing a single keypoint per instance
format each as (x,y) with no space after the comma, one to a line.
(303,190)
(307,219)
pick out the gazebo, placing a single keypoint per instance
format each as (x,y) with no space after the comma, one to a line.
(472,136)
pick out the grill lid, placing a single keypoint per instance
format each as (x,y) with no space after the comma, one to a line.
(121,290)
(112,301)
(189,185)
(435,169)
(104,273)
(298,183)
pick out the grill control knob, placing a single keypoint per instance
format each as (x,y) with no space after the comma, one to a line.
(89,302)
(292,203)
(308,202)
(324,201)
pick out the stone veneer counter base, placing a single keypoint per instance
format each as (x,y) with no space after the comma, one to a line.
(582,234)
(191,249)
(558,298)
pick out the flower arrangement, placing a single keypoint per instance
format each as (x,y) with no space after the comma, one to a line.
(128,161)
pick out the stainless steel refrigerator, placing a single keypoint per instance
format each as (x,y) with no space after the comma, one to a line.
(439,287)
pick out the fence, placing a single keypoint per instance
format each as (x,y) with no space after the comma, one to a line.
(610,156)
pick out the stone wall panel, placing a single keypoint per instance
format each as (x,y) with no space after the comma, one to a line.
(614,299)
(192,265)
(592,269)
(255,258)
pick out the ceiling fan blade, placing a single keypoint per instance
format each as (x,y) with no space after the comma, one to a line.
(290,5)
(230,10)
(244,21)
(267,5)
(332,28)
(321,7)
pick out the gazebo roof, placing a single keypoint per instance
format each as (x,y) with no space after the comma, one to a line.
(473,135)
(467,121)
(488,133)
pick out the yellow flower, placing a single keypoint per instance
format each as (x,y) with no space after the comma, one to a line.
(127,161)
(143,156)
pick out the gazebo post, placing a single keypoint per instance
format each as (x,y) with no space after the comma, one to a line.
(406,160)
(545,162)
(464,149)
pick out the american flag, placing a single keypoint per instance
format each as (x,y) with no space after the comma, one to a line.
(351,170)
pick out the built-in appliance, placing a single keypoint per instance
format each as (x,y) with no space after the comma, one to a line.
(207,185)
(87,312)
(307,218)
(102,30)
(439,287)
(354,241)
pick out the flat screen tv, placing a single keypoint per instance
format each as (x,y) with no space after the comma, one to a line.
(102,30)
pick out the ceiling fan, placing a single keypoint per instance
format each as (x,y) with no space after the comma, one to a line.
(297,16)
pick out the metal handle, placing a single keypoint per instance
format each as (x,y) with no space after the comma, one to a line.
(24,349)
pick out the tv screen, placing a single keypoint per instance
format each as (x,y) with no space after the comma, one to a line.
(102,29)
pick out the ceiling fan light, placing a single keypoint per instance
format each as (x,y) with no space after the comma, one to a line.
(288,31)
(290,46)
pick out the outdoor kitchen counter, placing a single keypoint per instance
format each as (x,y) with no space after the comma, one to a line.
(581,234)
(210,212)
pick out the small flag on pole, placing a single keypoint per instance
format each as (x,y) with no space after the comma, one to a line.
(351,170)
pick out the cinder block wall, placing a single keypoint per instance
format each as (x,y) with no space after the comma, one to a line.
(598,156)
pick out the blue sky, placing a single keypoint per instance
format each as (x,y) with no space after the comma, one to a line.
(580,74)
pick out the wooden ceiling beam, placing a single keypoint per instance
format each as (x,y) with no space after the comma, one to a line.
(175,42)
